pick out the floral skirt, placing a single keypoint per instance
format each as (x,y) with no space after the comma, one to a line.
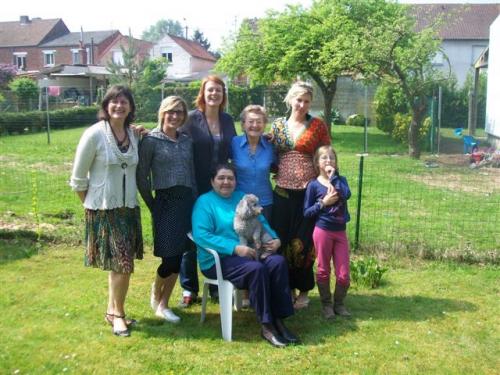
(113,239)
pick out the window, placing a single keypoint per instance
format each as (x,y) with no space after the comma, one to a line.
(118,57)
(20,60)
(48,58)
(89,57)
(438,59)
(166,55)
(75,56)
(476,52)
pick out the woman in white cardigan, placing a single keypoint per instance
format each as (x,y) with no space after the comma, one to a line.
(104,178)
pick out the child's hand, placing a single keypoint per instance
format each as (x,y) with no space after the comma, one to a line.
(330,171)
(331,196)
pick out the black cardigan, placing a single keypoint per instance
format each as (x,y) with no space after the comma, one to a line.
(197,128)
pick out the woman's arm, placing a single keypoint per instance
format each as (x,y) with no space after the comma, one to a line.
(84,157)
(143,173)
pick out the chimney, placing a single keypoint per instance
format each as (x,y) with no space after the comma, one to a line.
(82,51)
(24,20)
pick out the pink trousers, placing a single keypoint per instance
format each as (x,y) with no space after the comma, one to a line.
(332,246)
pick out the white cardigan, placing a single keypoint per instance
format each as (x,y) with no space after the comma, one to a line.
(104,171)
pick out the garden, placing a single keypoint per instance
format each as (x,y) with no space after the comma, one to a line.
(431,233)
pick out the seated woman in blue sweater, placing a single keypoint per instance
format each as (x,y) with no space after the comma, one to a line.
(266,280)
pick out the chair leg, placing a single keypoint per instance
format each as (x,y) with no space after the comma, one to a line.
(237,299)
(226,309)
(204,302)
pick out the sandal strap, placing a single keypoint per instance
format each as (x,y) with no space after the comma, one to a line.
(108,314)
(120,316)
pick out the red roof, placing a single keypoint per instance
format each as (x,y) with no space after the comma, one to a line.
(29,33)
(195,49)
(462,21)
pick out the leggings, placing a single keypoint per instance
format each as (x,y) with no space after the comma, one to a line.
(169,266)
(332,246)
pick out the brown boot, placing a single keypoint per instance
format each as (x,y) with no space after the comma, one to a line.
(326,300)
(338,300)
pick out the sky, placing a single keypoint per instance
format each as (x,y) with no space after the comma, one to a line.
(217,19)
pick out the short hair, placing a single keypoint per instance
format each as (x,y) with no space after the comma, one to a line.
(200,99)
(297,89)
(323,150)
(169,103)
(114,92)
(253,108)
(221,166)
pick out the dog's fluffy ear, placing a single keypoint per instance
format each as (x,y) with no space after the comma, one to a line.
(242,207)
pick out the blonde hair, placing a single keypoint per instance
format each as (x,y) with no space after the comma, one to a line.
(298,88)
(323,150)
(169,103)
(252,108)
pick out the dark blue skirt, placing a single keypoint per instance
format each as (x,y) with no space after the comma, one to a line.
(172,220)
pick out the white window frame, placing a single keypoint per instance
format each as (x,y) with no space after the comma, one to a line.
(51,61)
(75,56)
(119,54)
(20,56)
(167,54)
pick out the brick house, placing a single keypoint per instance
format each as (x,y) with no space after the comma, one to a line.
(20,41)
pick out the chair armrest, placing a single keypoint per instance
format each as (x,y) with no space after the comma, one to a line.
(215,254)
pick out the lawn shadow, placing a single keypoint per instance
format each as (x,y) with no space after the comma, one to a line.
(17,244)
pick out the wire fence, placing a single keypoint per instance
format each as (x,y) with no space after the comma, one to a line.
(439,210)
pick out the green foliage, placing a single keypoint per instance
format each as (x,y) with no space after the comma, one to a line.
(389,100)
(132,68)
(402,124)
(20,122)
(355,120)
(161,28)
(367,272)
(147,89)
(25,89)
(200,38)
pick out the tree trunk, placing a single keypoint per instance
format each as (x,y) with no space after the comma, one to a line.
(417,115)
(328,90)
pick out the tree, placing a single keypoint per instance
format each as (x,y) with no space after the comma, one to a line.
(127,73)
(7,74)
(25,90)
(200,38)
(161,28)
(321,43)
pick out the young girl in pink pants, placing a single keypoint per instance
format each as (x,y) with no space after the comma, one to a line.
(326,202)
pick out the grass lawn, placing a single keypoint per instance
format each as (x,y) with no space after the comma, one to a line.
(427,317)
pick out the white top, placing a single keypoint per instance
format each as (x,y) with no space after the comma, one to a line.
(104,171)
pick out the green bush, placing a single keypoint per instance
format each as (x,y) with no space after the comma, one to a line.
(34,121)
(388,101)
(367,272)
(402,124)
(355,120)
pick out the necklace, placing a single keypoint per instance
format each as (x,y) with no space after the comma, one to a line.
(122,144)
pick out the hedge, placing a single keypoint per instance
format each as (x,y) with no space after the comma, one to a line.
(35,121)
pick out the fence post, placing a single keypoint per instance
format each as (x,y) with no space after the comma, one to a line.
(48,115)
(360,190)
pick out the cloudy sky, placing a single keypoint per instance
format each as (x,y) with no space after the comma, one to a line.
(216,18)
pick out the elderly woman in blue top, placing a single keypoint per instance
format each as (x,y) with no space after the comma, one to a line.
(266,280)
(166,166)
(253,156)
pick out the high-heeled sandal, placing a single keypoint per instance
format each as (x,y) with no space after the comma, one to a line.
(121,333)
(108,318)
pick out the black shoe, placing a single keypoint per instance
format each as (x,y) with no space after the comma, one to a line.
(272,337)
(285,332)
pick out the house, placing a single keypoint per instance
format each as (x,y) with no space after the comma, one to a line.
(187,59)
(114,53)
(20,42)
(464,33)
(493,91)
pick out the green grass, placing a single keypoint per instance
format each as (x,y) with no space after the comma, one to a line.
(427,317)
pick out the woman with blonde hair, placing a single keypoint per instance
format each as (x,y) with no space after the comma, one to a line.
(166,166)
(296,138)
(211,130)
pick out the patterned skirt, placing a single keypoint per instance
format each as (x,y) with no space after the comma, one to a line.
(172,220)
(113,239)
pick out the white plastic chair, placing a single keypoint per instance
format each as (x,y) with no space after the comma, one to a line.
(226,293)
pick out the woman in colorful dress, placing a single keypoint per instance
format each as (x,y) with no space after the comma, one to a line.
(104,179)
(211,130)
(296,139)
(166,166)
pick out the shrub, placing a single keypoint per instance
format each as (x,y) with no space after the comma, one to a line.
(355,120)
(402,124)
(367,272)
(388,101)
(25,90)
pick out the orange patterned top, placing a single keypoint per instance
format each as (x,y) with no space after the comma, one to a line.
(295,167)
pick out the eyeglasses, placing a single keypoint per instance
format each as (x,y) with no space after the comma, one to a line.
(174,112)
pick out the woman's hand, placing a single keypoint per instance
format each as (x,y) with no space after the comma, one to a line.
(331,196)
(245,251)
(139,130)
(272,245)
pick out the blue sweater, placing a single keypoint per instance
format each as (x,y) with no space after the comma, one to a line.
(332,218)
(213,226)
(252,170)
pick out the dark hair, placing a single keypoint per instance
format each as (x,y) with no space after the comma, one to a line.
(220,166)
(200,99)
(113,93)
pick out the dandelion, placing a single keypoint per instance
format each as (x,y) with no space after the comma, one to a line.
(396,342)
